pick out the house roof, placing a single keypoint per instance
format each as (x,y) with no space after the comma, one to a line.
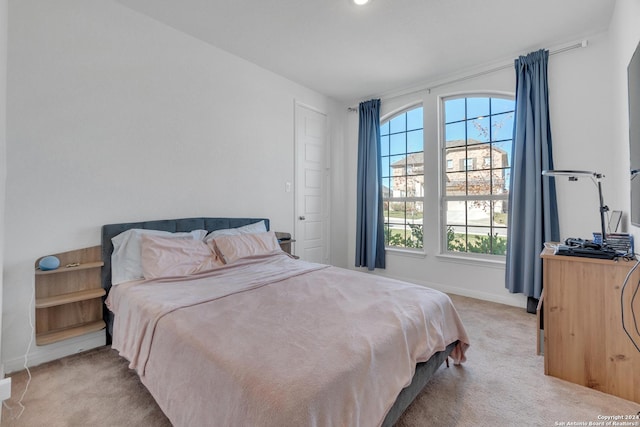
(413,159)
(416,159)
(472,145)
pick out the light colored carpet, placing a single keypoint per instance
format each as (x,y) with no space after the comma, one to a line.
(501,384)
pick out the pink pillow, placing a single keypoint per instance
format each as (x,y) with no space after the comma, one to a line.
(167,257)
(233,248)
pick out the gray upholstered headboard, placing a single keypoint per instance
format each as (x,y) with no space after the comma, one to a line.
(109,231)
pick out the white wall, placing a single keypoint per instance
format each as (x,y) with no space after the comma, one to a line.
(625,35)
(580,96)
(115,117)
(3,146)
(580,100)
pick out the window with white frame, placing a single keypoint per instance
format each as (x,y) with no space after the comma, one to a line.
(477,137)
(402,155)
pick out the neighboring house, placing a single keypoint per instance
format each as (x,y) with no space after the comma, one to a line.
(475,168)
(477,165)
(386,192)
(408,176)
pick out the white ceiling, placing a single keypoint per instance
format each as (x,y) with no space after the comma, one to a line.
(353,52)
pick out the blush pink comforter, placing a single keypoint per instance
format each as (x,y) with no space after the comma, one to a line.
(273,341)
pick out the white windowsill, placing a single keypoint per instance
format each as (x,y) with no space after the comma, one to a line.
(457,259)
(406,252)
(461,259)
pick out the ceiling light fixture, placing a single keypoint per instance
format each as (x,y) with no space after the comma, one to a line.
(360,2)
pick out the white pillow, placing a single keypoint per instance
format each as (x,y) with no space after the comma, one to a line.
(126,262)
(256,227)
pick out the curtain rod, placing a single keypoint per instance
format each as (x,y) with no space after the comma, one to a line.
(583,43)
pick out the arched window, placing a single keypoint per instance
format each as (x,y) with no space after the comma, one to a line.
(402,154)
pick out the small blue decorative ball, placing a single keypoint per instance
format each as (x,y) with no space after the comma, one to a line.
(49,263)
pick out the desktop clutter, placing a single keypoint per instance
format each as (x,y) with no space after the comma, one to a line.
(604,245)
(616,245)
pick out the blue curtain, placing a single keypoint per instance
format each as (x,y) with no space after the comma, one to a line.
(370,221)
(533,211)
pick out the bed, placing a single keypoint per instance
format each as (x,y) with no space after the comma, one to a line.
(265,339)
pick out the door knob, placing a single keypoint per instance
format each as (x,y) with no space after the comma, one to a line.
(301,218)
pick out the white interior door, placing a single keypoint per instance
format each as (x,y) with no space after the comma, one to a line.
(311,201)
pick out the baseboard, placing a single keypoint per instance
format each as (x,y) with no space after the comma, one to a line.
(507,299)
(512,300)
(47,353)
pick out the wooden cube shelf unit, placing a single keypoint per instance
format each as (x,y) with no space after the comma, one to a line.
(69,299)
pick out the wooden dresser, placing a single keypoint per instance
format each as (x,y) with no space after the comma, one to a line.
(584,340)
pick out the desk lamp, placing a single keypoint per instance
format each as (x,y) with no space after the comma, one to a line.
(597,180)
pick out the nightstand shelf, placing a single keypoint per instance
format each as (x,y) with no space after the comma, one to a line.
(69,299)
(285,241)
(61,270)
(70,332)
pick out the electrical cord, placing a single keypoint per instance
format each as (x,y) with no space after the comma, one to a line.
(26,367)
(623,309)
(633,311)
